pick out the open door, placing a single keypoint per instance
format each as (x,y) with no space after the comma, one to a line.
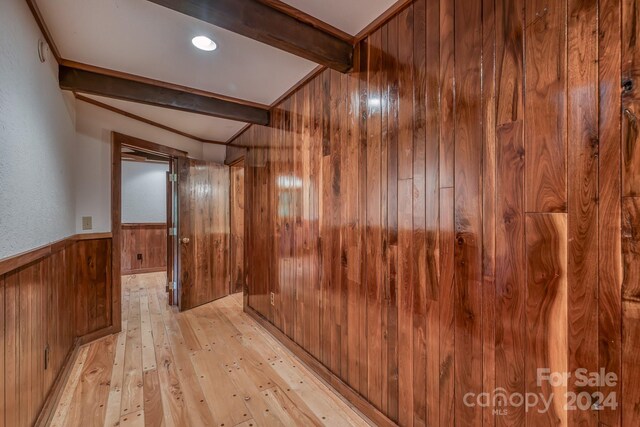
(203,231)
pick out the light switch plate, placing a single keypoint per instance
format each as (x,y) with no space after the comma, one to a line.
(87,222)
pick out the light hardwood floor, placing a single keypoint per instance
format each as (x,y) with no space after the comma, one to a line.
(211,366)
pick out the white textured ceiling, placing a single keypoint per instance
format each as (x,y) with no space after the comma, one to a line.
(142,38)
(148,40)
(350,16)
(206,127)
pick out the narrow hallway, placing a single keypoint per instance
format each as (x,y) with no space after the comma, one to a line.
(211,366)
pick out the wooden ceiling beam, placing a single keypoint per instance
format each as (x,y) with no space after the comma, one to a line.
(259,21)
(96,83)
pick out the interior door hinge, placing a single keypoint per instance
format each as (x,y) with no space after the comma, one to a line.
(173,177)
(173,231)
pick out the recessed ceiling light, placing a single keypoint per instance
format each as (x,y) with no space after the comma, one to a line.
(204,43)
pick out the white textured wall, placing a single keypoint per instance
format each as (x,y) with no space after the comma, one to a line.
(93,158)
(144,192)
(37,139)
(214,153)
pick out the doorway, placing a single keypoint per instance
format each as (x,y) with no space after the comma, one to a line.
(146,205)
(195,231)
(144,213)
(236,202)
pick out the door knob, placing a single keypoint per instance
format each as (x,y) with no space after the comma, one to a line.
(185,240)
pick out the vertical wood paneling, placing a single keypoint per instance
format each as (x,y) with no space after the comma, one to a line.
(374,223)
(547,323)
(630,310)
(2,355)
(609,208)
(406,251)
(432,209)
(39,303)
(148,240)
(463,187)
(93,273)
(447,88)
(420,268)
(510,285)
(582,131)
(352,184)
(510,266)
(488,203)
(631,97)
(545,96)
(630,411)
(337,115)
(362,133)
(316,151)
(468,210)
(390,398)
(11,354)
(447,308)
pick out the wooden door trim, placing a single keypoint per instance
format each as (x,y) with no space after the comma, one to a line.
(119,140)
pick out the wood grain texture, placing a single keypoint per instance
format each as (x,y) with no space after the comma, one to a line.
(216,366)
(93,285)
(510,346)
(96,82)
(630,98)
(630,311)
(468,210)
(490,145)
(148,241)
(43,303)
(204,222)
(547,317)
(610,269)
(511,291)
(545,95)
(582,187)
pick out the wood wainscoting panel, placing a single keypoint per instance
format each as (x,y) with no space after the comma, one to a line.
(446,218)
(52,296)
(93,285)
(144,248)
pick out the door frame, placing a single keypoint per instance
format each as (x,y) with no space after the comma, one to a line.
(245,288)
(119,140)
(238,163)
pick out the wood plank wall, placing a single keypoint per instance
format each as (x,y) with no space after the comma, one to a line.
(148,240)
(461,210)
(236,230)
(47,304)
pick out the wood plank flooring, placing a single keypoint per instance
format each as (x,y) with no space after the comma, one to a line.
(211,366)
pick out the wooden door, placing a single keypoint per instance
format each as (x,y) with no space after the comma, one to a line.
(203,230)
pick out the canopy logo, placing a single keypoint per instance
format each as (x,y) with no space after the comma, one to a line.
(552,392)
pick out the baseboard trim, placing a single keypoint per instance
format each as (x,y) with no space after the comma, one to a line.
(340,387)
(53,397)
(100,333)
(143,271)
